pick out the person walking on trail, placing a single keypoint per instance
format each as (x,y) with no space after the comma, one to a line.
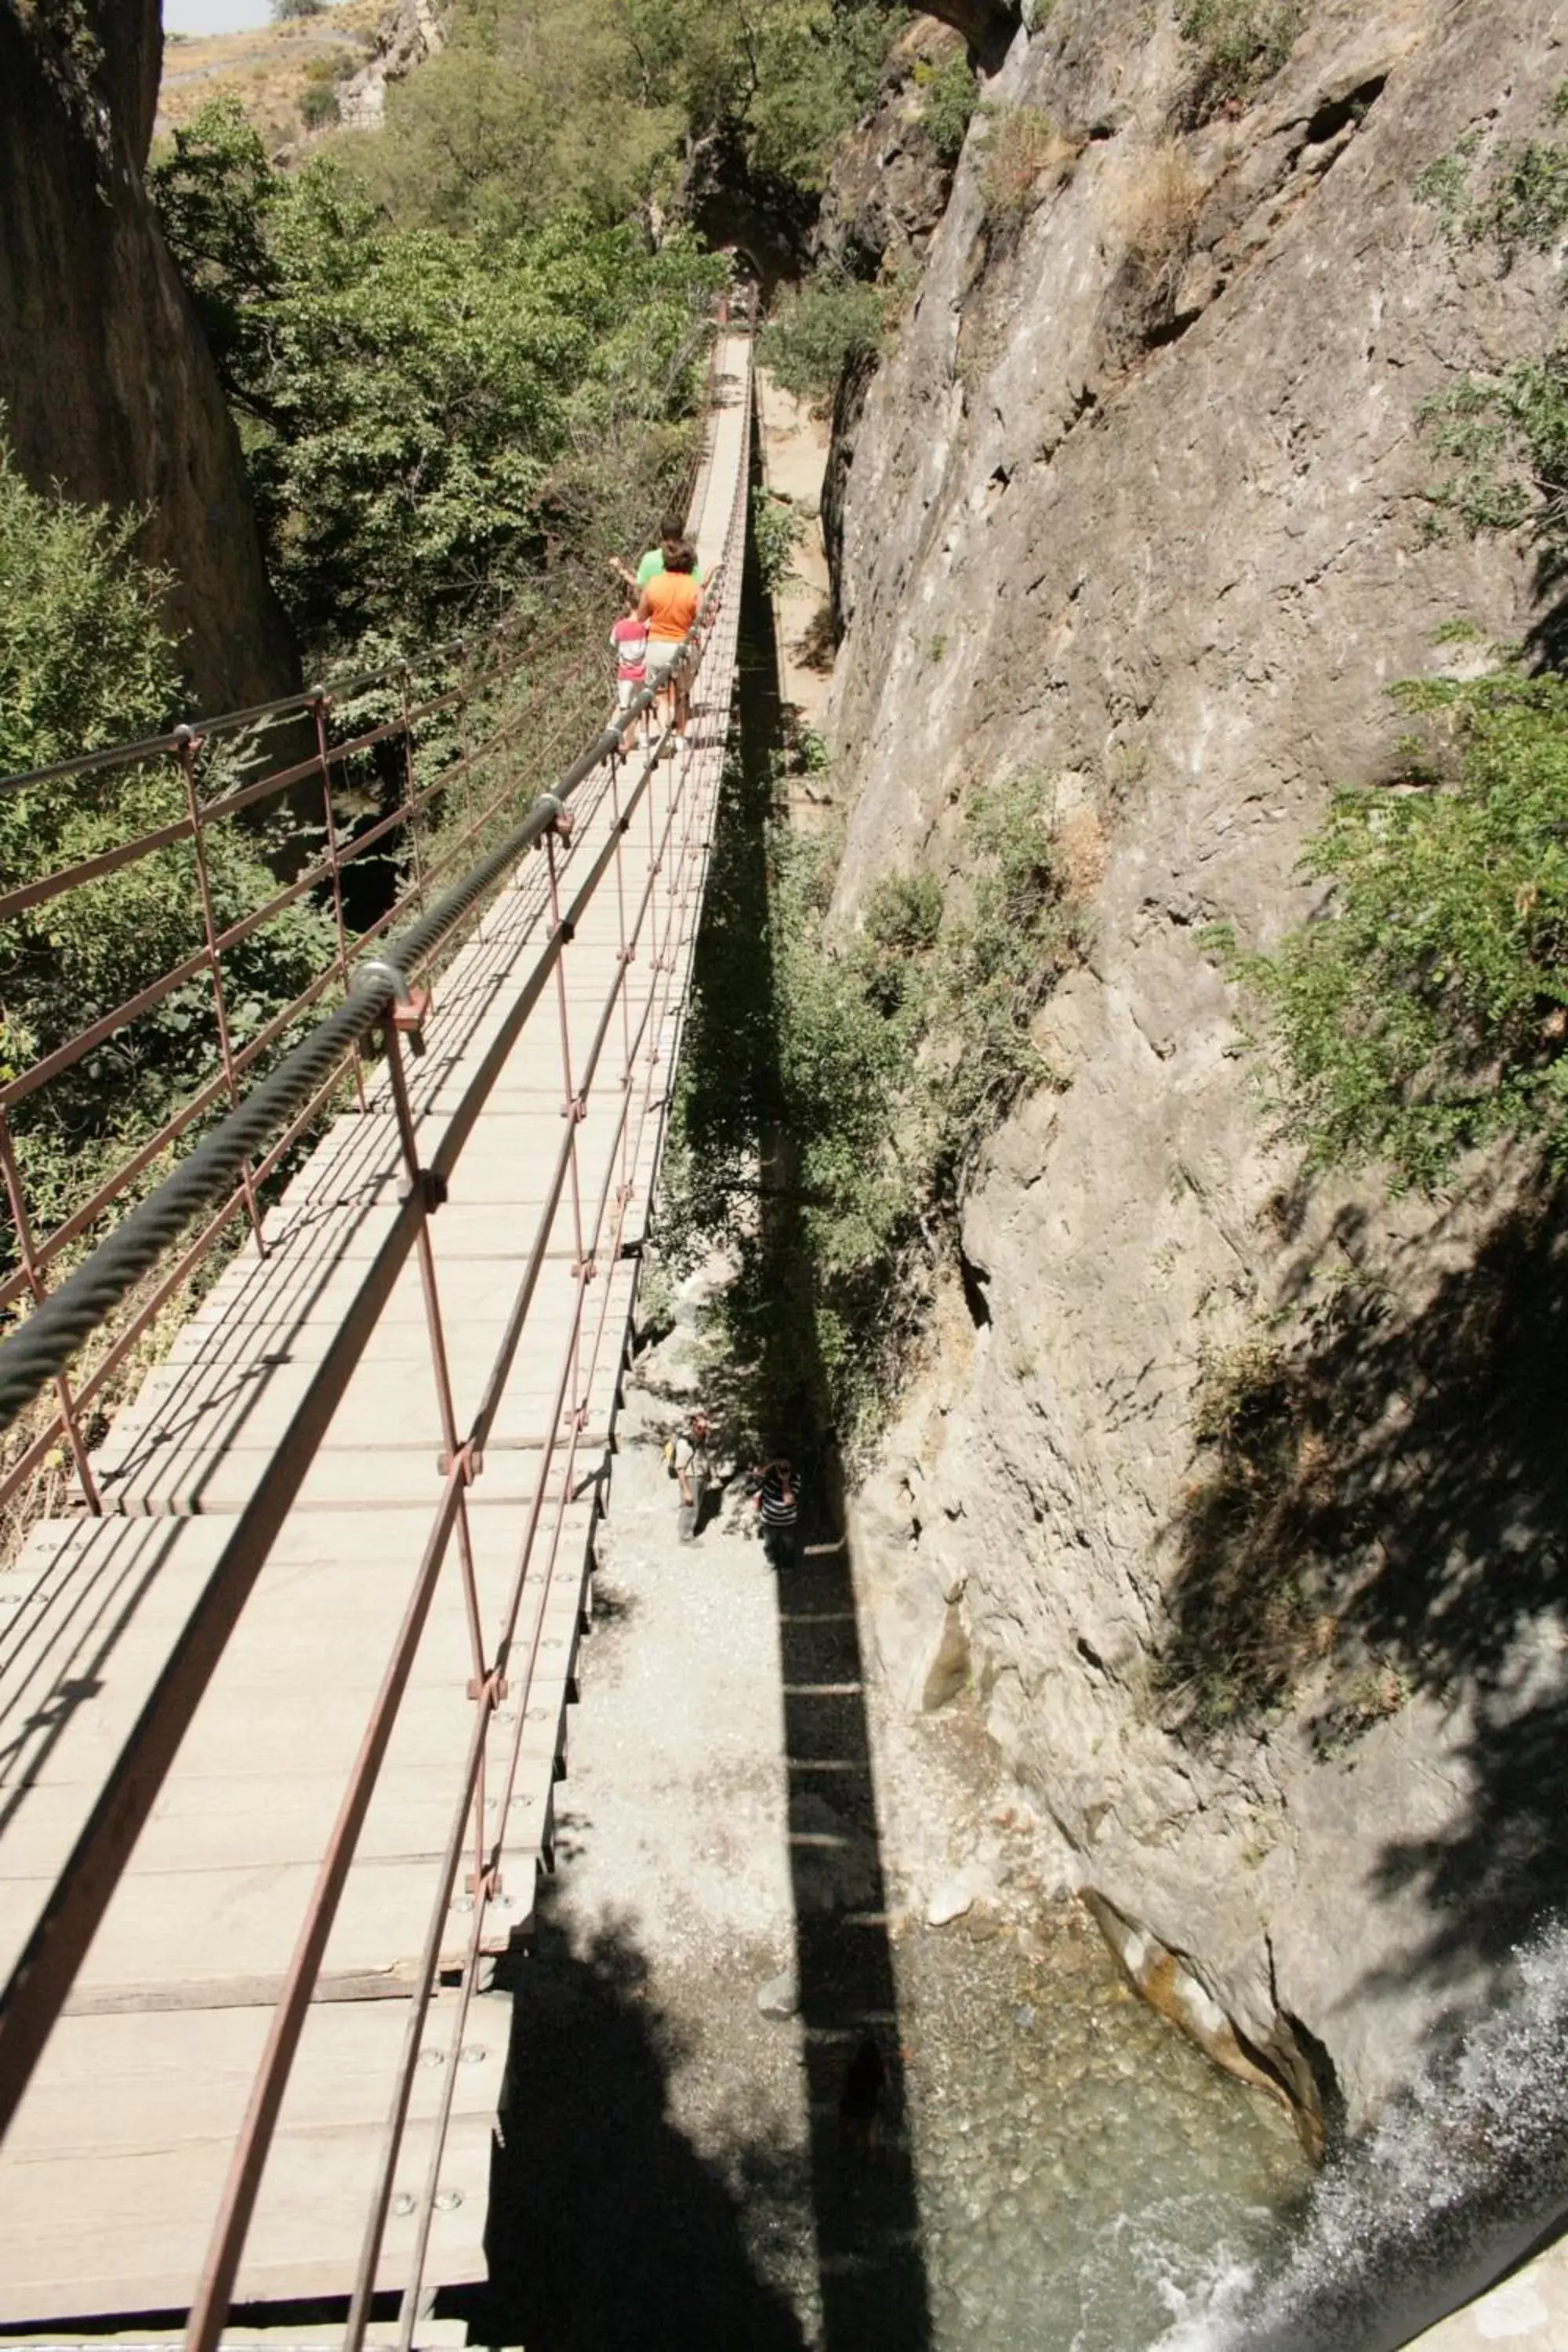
(668,604)
(778,1509)
(628,641)
(688,1461)
(672,535)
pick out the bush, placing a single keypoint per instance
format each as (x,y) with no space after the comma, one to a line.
(1504,436)
(866,1074)
(1160,206)
(318,105)
(1425,1012)
(290,12)
(1239,44)
(1025,154)
(776,531)
(1517,199)
(949,95)
(903,912)
(819,330)
(86,662)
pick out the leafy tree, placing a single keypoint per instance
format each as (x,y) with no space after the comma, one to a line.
(85,662)
(542,105)
(818,329)
(1425,1010)
(424,414)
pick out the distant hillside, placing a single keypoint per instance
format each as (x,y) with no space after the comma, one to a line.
(268,70)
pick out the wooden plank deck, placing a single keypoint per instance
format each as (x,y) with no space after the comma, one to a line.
(113,2171)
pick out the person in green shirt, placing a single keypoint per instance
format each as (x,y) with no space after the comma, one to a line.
(672,535)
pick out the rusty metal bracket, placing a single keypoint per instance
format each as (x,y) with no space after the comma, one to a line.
(410,1006)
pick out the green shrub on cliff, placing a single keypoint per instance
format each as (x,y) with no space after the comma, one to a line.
(949,95)
(836,1092)
(1237,46)
(1504,436)
(1424,1010)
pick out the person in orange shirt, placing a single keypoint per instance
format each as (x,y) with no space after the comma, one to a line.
(669,605)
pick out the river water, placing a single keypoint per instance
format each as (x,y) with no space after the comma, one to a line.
(1087,2178)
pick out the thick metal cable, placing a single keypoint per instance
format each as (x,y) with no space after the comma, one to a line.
(43,1347)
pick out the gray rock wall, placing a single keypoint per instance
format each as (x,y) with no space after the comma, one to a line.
(108,386)
(1137,502)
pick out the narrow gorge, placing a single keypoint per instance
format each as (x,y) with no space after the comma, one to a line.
(1184,1400)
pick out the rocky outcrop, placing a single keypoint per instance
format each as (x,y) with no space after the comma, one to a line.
(889,187)
(410,32)
(1137,503)
(107,385)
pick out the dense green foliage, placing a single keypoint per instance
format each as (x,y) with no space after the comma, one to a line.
(1425,1010)
(426,414)
(777,531)
(827,323)
(949,95)
(865,1072)
(538,105)
(85,662)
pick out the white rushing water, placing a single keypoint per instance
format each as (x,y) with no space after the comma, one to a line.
(1456,2179)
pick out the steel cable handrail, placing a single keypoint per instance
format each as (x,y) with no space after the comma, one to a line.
(43,1344)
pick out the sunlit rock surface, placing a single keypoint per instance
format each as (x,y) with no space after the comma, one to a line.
(106,382)
(1138,501)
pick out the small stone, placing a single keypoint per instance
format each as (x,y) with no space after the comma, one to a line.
(949,1902)
(780,1996)
(1023,2016)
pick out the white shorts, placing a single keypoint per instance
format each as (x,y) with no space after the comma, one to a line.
(663,653)
(625,687)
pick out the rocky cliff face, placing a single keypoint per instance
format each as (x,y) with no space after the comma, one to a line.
(1137,502)
(410,32)
(106,382)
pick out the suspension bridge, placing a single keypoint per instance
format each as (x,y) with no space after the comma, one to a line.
(285,1681)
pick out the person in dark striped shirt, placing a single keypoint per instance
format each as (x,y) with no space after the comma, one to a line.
(778,1507)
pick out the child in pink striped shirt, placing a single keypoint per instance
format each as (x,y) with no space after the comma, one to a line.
(628,640)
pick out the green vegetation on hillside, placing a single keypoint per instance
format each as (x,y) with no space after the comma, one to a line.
(1237,46)
(819,328)
(1505,437)
(86,662)
(538,105)
(429,417)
